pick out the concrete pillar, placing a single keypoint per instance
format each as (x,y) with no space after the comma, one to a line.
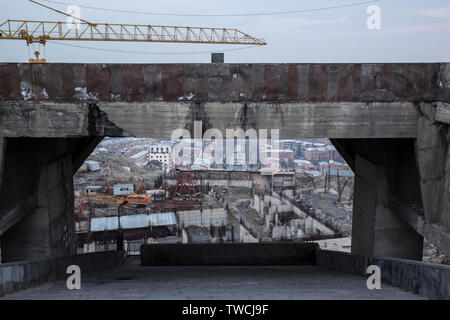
(257,203)
(309,225)
(2,156)
(49,230)
(376,229)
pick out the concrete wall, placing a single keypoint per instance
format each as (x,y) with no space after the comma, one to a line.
(262,182)
(205,218)
(217,183)
(21,275)
(229,254)
(285,205)
(376,229)
(426,279)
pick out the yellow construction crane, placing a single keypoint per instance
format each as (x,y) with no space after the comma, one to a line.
(42,31)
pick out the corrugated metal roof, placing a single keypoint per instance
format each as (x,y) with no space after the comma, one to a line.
(134,221)
(162,219)
(104,223)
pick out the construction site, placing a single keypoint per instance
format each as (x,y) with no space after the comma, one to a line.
(123,203)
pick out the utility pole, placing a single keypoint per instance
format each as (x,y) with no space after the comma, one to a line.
(119,241)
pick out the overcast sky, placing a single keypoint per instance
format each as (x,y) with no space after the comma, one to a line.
(411,31)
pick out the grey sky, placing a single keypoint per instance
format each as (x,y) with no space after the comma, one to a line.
(411,31)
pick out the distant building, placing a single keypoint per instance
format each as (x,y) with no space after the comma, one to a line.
(318,154)
(123,189)
(303,164)
(336,168)
(93,189)
(92,165)
(161,152)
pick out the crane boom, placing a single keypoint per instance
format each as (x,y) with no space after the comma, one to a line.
(41,31)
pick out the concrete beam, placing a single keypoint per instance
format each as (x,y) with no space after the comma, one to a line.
(368,82)
(160,119)
(55,120)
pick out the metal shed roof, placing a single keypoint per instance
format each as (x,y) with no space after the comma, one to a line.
(104,223)
(134,221)
(162,219)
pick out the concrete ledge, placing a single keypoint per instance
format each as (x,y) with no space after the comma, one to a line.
(20,275)
(229,254)
(426,279)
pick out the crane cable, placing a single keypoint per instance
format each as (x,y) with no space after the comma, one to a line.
(354,4)
(61,12)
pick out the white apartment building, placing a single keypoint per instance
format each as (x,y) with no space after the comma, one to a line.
(161,152)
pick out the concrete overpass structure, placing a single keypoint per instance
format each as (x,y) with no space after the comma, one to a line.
(389,121)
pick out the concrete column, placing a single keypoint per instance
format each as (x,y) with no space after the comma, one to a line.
(377,230)
(49,230)
(2,157)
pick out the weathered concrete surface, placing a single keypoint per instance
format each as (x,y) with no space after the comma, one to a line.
(36,198)
(426,279)
(301,100)
(433,164)
(55,120)
(161,119)
(132,281)
(412,192)
(49,230)
(21,275)
(431,152)
(226,82)
(376,229)
(228,254)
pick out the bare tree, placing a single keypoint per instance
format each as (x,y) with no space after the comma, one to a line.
(340,191)
(310,178)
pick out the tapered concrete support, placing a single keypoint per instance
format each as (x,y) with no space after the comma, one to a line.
(48,231)
(36,196)
(377,230)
